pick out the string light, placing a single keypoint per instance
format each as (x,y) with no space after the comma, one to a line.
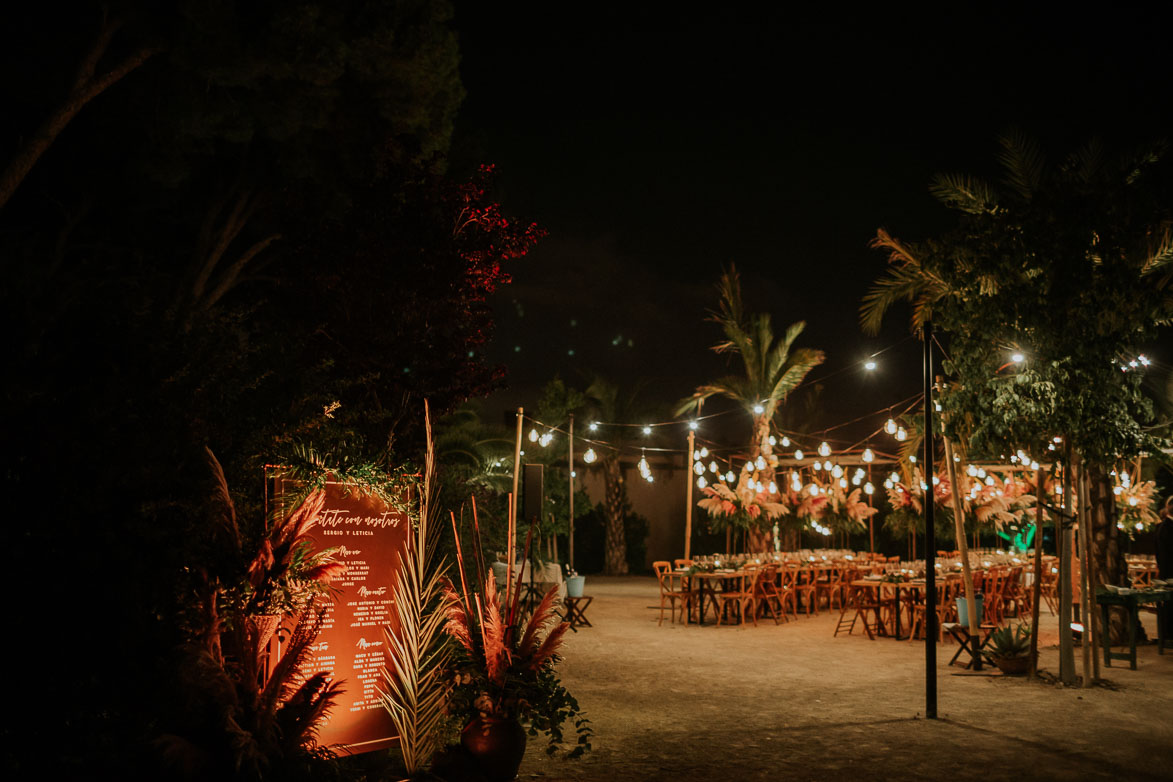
(701,482)
(818,465)
(760,462)
(870,366)
(730,477)
(692,425)
(698,468)
(758,409)
(704,453)
(901,435)
(773,440)
(785,441)
(797,455)
(590,456)
(1017,358)
(912,458)
(749,467)
(837,471)
(773,488)
(890,426)
(533,435)
(868,488)
(824,449)
(868,456)
(842,483)
(593,426)
(712,467)
(647,430)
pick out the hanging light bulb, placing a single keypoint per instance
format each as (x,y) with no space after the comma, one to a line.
(818,465)
(650,478)
(912,458)
(814,490)
(837,471)
(894,477)
(824,449)
(773,488)
(890,426)
(797,455)
(698,468)
(1017,358)
(1125,480)
(760,462)
(859,473)
(989,480)
(936,480)
(856,480)
(590,456)
(1034,465)
(842,483)
(901,435)
(730,477)
(749,466)
(785,441)
(868,456)
(704,453)
(701,482)
(758,409)
(1118,490)
(868,488)
(593,426)
(888,484)
(647,430)
(713,467)
(643,465)
(773,440)
(971,471)
(981,473)
(533,435)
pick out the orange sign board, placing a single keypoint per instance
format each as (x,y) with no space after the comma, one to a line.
(369,537)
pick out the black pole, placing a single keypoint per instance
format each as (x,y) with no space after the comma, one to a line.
(930,537)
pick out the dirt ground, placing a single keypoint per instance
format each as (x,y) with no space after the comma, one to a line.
(792,702)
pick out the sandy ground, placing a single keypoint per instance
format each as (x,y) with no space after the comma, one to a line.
(793,702)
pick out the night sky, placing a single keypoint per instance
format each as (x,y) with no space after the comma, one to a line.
(655,151)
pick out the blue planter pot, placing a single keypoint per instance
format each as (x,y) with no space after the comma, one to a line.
(574,585)
(963,610)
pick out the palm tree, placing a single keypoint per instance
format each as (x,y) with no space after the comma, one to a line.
(772,367)
(609,403)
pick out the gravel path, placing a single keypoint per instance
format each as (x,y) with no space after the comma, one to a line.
(793,702)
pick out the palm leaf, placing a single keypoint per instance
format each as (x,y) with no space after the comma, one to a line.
(963,192)
(1022,159)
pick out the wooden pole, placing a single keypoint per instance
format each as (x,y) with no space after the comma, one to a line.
(688,495)
(1085,598)
(1091,633)
(1037,586)
(570,459)
(930,537)
(1066,645)
(963,548)
(512,525)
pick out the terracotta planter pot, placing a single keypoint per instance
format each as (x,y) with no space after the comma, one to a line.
(1012,666)
(497,746)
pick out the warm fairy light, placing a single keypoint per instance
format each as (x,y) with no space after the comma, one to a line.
(1143,360)
(888,484)
(814,490)
(785,441)
(1133,501)
(989,480)
(590,456)
(868,456)
(837,471)
(713,467)
(773,440)
(692,425)
(797,455)
(971,471)
(698,468)
(870,366)
(981,472)
(890,426)
(701,482)
(1034,465)
(749,467)
(912,458)
(533,435)
(760,462)
(818,465)
(730,477)
(758,409)
(824,449)
(894,477)
(842,483)
(773,488)
(704,453)
(647,430)
(901,435)
(593,426)
(868,488)
(1017,358)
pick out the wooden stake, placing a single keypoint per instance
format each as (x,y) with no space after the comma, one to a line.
(688,495)
(1066,646)
(570,541)
(1087,598)
(1037,586)
(963,548)
(512,525)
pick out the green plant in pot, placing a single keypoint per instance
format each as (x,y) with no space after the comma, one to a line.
(1009,649)
(506,677)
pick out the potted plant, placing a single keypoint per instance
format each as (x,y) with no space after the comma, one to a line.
(1009,649)
(505,673)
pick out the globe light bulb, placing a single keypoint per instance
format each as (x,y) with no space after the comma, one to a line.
(856,480)
(868,488)
(590,456)
(901,435)
(890,426)
(837,471)
(824,449)
(533,435)
(785,441)
(894,477)
(760,462)
(749,466)
(773,440)
(647,430)
(593,426)
(712,466)
(704,453)
(1133,501)
(989,480)
(971,471)
(773,488)
(692,425)
(842,483)
(758,409)
(818,465)
(814,490)
(936,480)
(1017,358)
(650,478)
(701,482)
(870,366)
(797,455)
(888,484)
(730,477)
(912,458)
(698,468)
(868,456)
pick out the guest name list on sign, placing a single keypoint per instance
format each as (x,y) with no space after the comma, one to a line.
(369,538)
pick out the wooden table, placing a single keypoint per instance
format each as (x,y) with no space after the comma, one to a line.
(705,583)
(1132,603)
(876,584)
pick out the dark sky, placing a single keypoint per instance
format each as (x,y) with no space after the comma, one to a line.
(657,150)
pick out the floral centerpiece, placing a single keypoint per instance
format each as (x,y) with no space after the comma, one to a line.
(1135,504)
(743,508)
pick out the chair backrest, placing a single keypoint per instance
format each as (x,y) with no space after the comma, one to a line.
(682,562)
(662,568)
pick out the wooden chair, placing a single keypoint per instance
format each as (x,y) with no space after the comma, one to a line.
(768,595)
(669,594)
(787,589)
(860,602)
(744,596)
(805,589)
(945,593)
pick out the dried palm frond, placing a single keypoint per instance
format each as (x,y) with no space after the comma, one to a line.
(542,615)
(416,689)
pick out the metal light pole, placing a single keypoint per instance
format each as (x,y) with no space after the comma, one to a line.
(930,538)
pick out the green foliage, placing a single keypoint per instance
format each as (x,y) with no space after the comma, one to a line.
(1009,642)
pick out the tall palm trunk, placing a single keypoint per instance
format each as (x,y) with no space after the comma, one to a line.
(759,539)
(614,540)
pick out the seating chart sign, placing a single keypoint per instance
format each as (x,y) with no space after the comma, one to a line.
(369,537)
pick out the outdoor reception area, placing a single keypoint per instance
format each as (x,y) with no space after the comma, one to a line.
(452,391)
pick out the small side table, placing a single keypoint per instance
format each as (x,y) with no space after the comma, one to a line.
(576,608)
(1131,603)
